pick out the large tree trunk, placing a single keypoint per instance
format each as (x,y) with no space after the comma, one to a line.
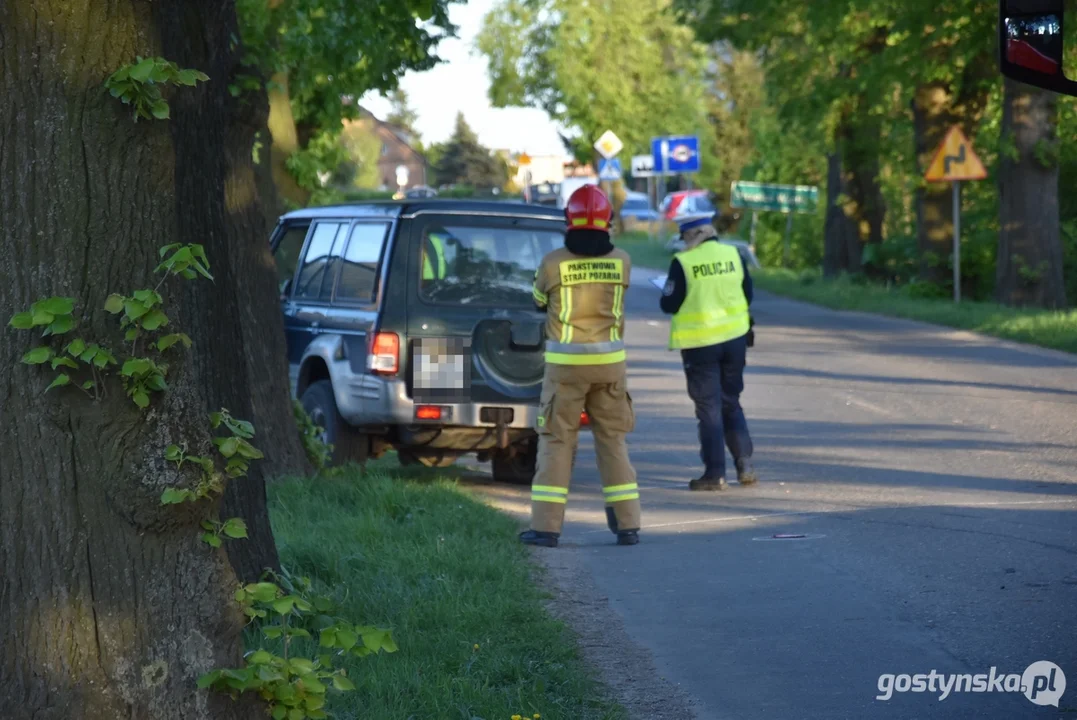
(248,322)
(1029,246)
(855,206)
(868,208)
(936,107)
(285,142)
(111,605)
(932,119)
(840,242)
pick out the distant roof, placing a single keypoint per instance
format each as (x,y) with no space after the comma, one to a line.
(400,133)
(410,207)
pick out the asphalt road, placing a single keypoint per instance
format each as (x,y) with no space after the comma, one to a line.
(934,475)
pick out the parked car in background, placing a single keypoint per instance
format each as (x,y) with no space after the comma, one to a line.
(637,213)
(686,202)
(411,326)
(421,191)
(676,207)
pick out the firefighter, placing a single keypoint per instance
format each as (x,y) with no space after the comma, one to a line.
(581,288)
(708,292)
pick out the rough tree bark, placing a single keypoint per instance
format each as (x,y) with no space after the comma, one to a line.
(253,329)
(841,246)
(1029,268)
(112,605)
(856,210)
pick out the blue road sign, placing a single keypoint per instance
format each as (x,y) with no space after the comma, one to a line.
(681,154)
(609,169)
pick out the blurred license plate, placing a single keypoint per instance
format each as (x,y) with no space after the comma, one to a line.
(441,370)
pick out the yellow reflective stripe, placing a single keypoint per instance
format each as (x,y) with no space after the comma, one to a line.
(566,314)
(712,315)
(585,358)
(428,269)
(549,499)
(620,498)
(618,311)
(539,295)
(549,488)
(620,488)
(583,221)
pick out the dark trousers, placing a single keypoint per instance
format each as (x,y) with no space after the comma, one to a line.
(715,381)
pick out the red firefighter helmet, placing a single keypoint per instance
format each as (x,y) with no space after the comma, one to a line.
(588,209)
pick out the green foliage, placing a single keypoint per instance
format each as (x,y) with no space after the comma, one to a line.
(234,448)
(139,84)
(621,64)
(140,314)
(328,49)
(464,161)
(232,528)
(308,639)
(362,148)
(318,452)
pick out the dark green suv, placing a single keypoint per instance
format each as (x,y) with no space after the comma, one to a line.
(411,326)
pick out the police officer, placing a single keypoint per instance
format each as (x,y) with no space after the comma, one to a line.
(708,293)
(581,288)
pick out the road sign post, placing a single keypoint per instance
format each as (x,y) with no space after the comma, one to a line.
(786,199)
(955,162)
(608,146)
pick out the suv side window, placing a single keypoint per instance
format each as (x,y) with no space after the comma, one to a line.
(317,276)
(359,274)
(287,252)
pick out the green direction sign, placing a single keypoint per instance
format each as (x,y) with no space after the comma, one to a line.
(778,198)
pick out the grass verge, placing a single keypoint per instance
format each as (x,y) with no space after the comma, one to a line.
(1045,328)
(644,251)
(445,573)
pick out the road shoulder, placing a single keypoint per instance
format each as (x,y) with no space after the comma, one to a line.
(624,667)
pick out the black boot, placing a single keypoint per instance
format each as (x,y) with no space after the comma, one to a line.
(628,537)
(543,539)
(611,520)
(745,472)
(708,483)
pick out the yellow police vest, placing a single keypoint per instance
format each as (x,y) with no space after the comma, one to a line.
(428,268)
(714,308)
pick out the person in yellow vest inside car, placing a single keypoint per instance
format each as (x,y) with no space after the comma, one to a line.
(434,257)
(581,288)
(708,292)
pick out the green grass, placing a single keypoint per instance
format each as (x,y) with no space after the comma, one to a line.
(445,572)
(644,251)
(1049,329)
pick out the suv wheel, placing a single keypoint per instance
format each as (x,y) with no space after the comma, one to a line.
(517,465)
(349,445)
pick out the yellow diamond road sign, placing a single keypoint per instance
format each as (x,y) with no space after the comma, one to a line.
(609,145)
(955,160)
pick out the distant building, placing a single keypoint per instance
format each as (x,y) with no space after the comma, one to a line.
(543,169)
(396,151)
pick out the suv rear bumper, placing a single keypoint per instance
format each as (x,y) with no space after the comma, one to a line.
(370,400)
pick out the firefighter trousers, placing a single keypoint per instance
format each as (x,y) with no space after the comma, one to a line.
(568,390)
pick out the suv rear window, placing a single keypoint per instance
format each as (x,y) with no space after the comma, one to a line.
(484,264)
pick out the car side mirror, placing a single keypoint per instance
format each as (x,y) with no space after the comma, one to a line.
(1031,47)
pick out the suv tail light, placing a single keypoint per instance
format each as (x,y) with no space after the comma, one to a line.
(384,356)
